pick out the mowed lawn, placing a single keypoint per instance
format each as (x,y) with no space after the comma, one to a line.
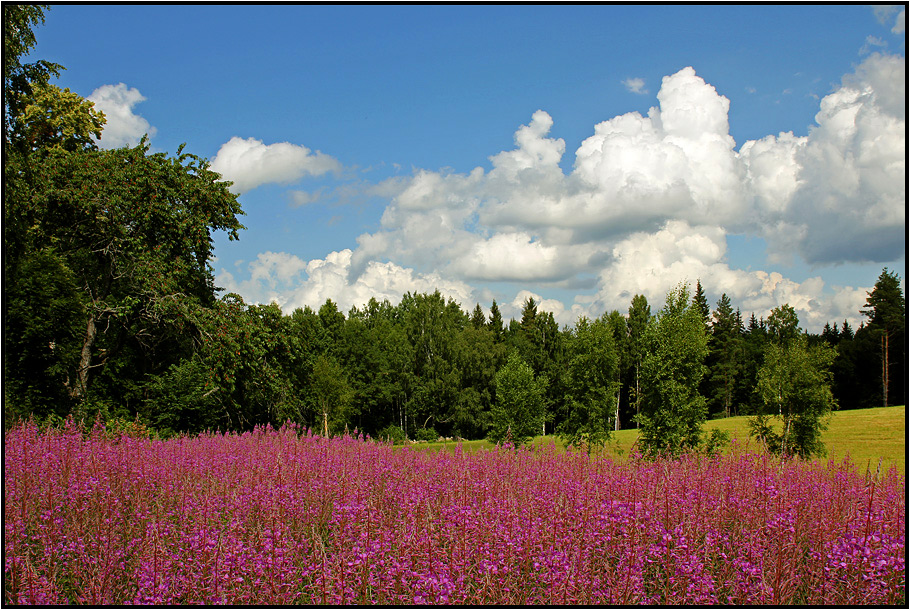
(867,435)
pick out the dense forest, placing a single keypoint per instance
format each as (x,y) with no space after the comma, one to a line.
(110,310)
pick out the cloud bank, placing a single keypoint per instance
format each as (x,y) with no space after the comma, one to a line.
(649,202)
(292,282)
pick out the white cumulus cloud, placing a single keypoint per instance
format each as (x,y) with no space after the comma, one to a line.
(851,201)
(652,263)
(249,163)
(123,127)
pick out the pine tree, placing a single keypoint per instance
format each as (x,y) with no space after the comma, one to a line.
(830,334)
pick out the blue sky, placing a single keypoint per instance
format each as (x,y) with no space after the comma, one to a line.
(507,151)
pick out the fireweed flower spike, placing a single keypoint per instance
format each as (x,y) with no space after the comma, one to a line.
(288,517)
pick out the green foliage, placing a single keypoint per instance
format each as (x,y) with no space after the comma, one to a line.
(638,320)
(540,344)
(41,335)
(392,434)
(520,407)
(333,395)
(725,358)
(885,306)
(715,442)
(700,302)
(672,408)
(478,319)
(55,118)
(181,399)
(477,356)
(795,385)
(250,355)
(110,309)
(495,323)
(426,435)
(18,78)
(331,322)
(622,340)
(119,427)
(754,340)
(432,325)
(130,233)
(783,325)
(591,382)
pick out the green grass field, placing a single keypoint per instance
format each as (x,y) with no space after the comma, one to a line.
(867,435)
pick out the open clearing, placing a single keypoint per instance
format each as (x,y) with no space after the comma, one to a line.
(866,435)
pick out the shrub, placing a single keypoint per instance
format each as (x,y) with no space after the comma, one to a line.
(714,442)
(426,434)
(392,434)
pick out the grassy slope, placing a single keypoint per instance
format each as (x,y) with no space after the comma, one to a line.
(866,434)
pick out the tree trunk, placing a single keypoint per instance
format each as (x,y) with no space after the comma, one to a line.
(637,393)
(85,360)
(616,421)
(885,367)
(785,445)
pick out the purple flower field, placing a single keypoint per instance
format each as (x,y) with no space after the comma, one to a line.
(283,517)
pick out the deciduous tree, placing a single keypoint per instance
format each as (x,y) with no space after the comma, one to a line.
(519,408)
(795,385)
(639,318)
(672,409)
(333,394)
(592,385)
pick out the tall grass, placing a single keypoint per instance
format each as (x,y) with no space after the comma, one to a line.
(281,517)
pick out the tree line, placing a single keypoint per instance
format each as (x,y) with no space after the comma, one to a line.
(110,309)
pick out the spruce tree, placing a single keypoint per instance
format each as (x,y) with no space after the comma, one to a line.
(478,319)
(886,311)
(724,357)
(701,303)
(495,324)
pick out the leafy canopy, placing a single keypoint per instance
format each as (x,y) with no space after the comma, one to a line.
(795,386)
(592,384)
(520,407)
(672,410)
